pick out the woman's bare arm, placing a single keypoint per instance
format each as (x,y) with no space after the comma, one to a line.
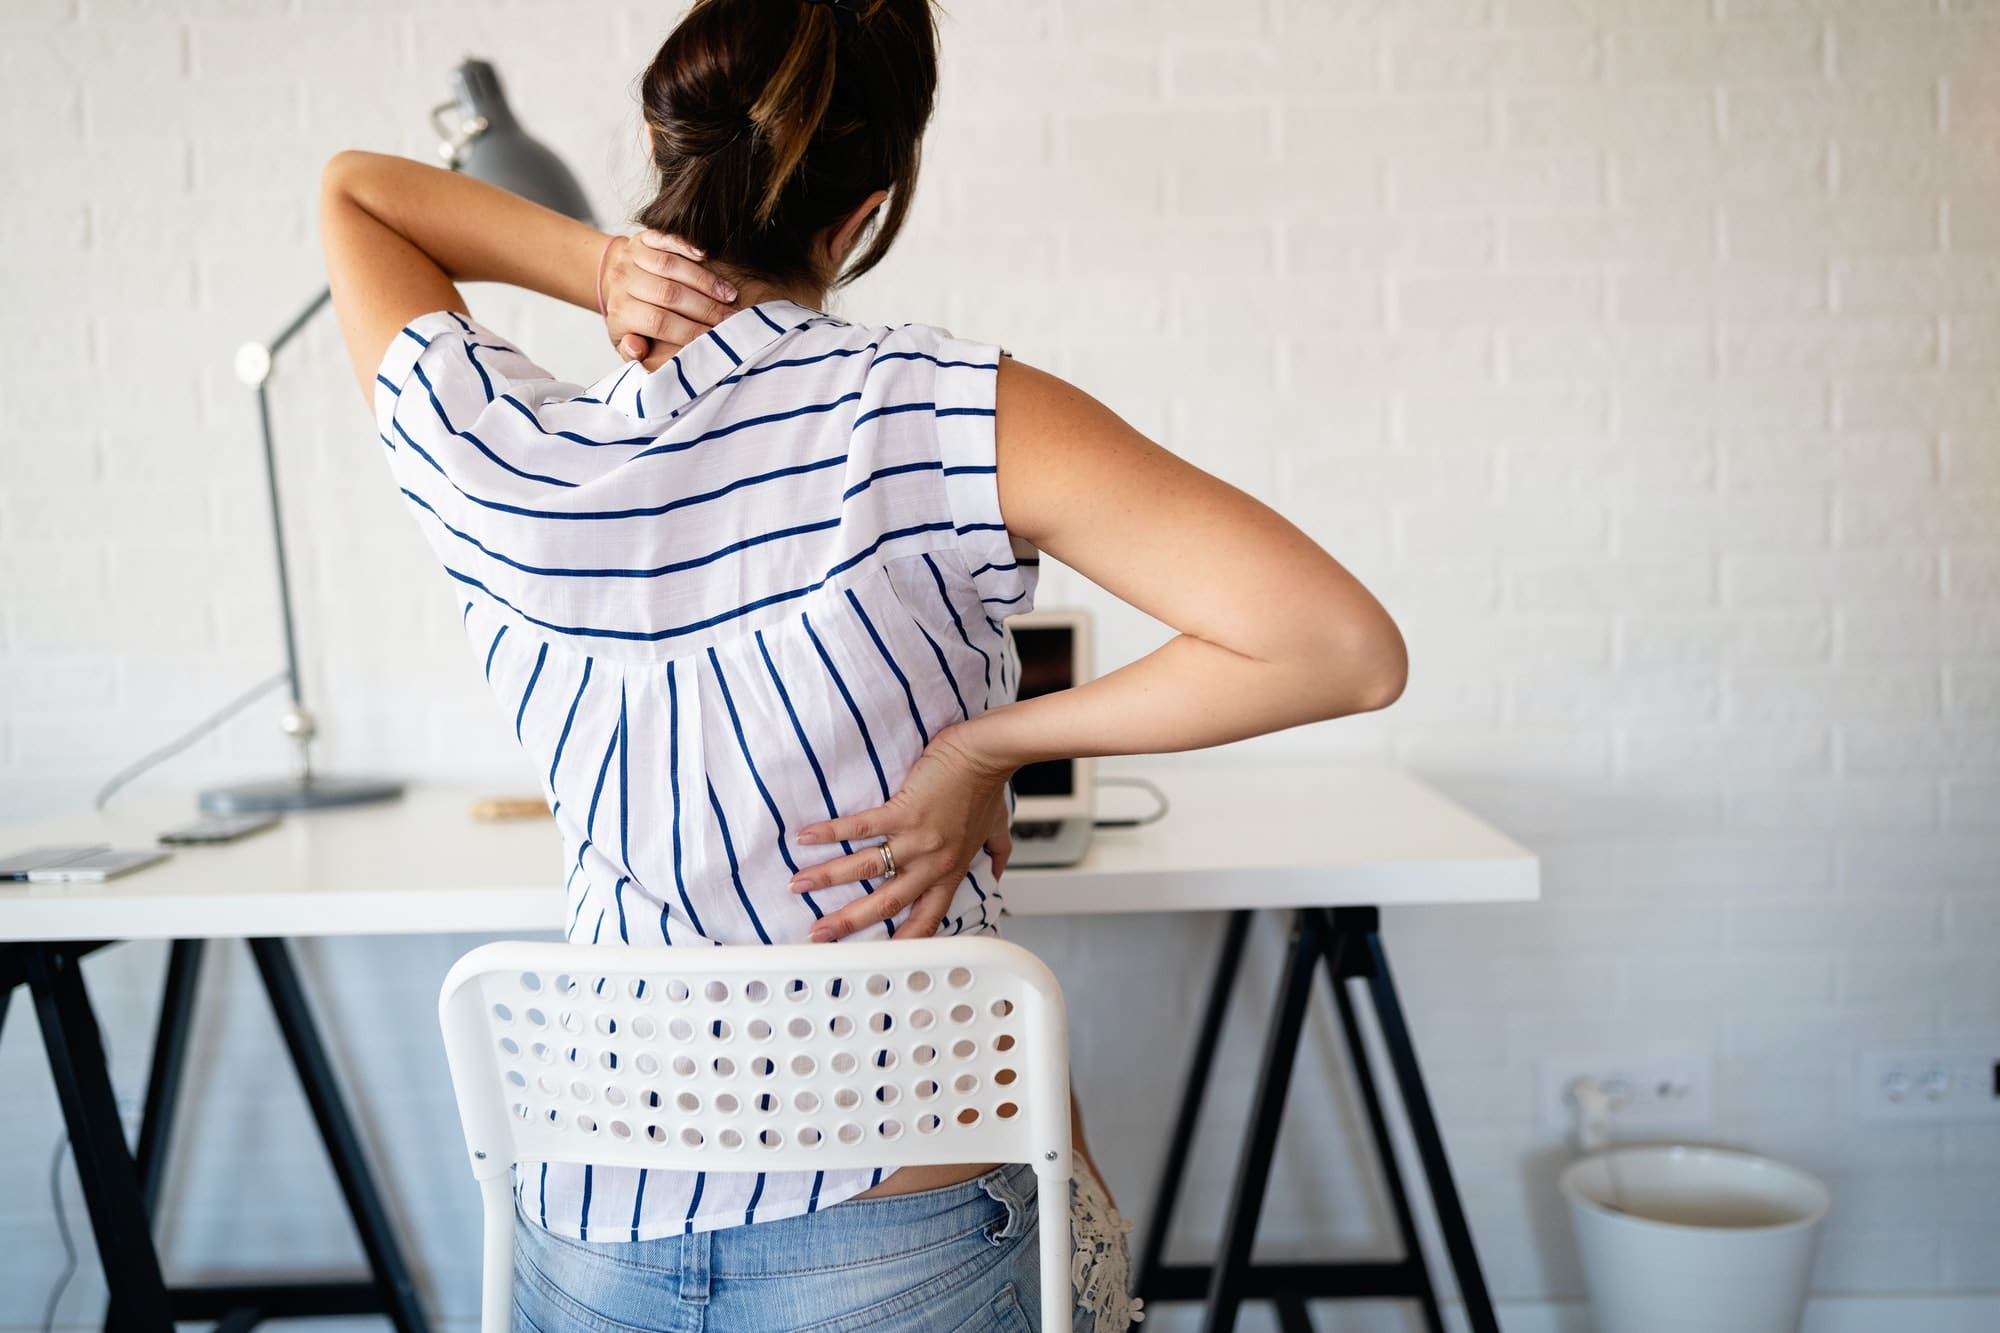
(1273,631)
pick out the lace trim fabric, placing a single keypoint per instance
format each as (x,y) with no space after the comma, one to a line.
(1101,1262)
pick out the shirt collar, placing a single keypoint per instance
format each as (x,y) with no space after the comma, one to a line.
(708,360)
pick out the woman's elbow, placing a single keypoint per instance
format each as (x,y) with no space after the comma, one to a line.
(1372,667)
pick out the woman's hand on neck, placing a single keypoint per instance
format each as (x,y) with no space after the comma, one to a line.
(749,291)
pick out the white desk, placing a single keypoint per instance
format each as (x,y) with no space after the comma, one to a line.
(1274,835)
(1333,843)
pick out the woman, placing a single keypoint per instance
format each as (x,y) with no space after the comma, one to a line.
(742,599)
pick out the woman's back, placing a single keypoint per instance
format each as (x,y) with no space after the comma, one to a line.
(718,601)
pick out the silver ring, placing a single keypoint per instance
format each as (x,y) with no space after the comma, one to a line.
(888,861)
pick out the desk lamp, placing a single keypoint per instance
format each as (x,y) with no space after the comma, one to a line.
(480,137)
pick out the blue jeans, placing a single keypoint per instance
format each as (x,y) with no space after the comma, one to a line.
(961,1259)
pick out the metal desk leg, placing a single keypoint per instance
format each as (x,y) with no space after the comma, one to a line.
(1227,963)
(1423,1128)
(1346,958)
(163,1084)
(343,1146)
(1227,1283)
(1348,941)
(104,1165)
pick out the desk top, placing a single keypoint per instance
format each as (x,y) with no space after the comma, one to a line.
(1239,834)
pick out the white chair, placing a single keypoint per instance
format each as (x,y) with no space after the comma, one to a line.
(884,1053)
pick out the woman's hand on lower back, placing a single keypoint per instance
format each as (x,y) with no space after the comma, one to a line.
(952,804)
(656,290)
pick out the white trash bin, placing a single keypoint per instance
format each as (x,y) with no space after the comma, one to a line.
(1676,1239)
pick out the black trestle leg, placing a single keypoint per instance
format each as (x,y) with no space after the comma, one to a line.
(163,1084)
(104,1164)
(1167,1194)
(1345,957)
(343,1145)
(1228,1281)
(1423,1128)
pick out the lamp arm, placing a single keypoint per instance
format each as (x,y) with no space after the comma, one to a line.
(253,364)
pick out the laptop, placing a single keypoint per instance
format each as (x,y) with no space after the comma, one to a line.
(1054,801)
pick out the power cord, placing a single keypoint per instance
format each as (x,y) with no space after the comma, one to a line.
(193,734)
(62,1229)
(1158,813)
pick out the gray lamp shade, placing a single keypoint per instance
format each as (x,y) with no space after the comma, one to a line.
(504,154)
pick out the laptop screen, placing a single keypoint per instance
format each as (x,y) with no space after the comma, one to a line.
(1048,655)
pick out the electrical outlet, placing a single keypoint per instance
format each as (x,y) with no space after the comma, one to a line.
(1925,1087)
(1661,1087)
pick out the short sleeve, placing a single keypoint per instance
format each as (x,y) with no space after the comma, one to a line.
(967,380)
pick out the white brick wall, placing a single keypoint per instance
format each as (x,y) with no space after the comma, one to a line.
(1639,354)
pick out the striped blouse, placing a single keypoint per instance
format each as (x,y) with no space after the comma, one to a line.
(715,602)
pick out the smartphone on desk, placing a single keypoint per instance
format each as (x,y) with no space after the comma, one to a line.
(96,867)
(217,828)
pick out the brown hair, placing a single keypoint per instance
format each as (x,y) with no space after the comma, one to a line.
(771,120)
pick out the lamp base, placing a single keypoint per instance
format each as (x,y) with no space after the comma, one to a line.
(317,792)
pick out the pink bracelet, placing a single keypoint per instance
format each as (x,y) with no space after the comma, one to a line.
(600,272)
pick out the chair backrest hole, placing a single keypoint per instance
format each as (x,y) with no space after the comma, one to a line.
(726,1103)
(716,992)
(688,1102)
(1004,1076)
(879,1022)
(926,1089)
(503,1013)
(928,1124)
(808,1137)
(1004,1042)
(890,1130)
(680,1030)
(515,1077)
(958,978)
(586,1124)
(678,992)
(840,1025)
(965,1083)
(1006,1110)
(756,991)
(887,1094)
(730,1139)
(614,1095)
(968,1116)
(836,988)
(1002,1007)
(807,1101)
(530,982)
(877,985)
(643,1028)
(849,1133)
(846,1098)
(918,982)
(758,1030)
(509,1045)
(843,1062)
(924,1055)
(620,1130)
(963,1048)
(799,1029)
(724,1066)
(685,1066)
(804,1066)
(691,1137)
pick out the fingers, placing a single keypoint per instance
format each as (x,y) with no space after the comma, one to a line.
(885,902)
(849,828)
(849,869)
(633,348)
(664,240)
(693,290)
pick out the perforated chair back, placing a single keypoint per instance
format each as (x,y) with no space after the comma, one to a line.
(760,1058)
